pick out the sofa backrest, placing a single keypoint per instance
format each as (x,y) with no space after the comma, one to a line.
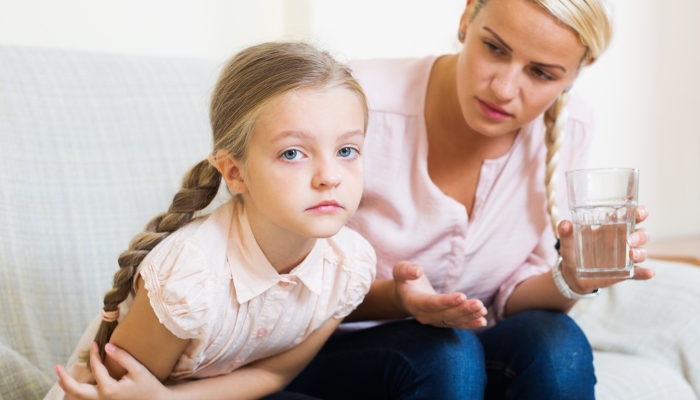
(91,147)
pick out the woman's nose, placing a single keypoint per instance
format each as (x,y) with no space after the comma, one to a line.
(505,84)
(327,174)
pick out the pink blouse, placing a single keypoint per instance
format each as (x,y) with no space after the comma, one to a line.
(210,282)
(405,216)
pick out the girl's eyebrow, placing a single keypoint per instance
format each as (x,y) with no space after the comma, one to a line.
(306,136)
(287,134)
(504,44)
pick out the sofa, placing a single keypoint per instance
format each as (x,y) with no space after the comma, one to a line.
(93,145)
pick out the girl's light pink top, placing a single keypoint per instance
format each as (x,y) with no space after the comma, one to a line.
(405,216)
(210,282)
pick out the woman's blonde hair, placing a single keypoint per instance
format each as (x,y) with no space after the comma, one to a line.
(591,20)
(248,83)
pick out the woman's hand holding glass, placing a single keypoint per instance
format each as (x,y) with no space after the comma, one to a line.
(637,254)
(418,298)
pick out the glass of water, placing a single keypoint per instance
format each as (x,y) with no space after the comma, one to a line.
(603,204)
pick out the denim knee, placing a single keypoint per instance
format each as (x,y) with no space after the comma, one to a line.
(458,358)
(553,358)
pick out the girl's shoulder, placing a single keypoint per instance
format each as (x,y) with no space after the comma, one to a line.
(352,248)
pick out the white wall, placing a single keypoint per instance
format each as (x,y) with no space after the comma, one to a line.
(643,90)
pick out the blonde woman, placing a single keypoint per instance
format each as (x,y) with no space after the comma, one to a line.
(465,156)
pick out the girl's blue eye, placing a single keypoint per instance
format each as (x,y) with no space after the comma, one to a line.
(291,154)
(346,152)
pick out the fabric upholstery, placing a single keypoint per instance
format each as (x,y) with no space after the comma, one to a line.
(657,321)
(93,145)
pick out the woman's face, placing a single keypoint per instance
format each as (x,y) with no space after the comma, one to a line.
(517,58)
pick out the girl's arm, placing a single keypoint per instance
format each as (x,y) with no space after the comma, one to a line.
(260,378)
(253,381)
(146,339)
(540,292)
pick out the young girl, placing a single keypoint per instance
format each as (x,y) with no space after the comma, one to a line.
(256,287)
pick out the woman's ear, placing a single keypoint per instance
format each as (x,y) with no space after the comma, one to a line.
(231,171)
(464,20)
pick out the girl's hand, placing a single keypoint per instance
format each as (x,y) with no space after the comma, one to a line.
(138,383)
(417,296)
(637,253)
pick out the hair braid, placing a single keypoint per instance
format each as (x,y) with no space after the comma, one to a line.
(555,120)
(199,187)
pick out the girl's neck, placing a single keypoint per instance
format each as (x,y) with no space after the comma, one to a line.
(282,248)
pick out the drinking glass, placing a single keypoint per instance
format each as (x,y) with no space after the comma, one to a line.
(603,204)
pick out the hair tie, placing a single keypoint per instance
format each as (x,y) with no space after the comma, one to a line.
(109,316)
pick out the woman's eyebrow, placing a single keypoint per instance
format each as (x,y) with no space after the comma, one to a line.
(498,38)
(504,44)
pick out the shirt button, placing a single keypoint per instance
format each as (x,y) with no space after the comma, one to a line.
(283,284)
(262,332)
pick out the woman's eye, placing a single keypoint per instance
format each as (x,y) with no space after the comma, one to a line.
(347,152)
(492,48)
(291,155)
(542,74)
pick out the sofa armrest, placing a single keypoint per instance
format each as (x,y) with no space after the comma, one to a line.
(19,378)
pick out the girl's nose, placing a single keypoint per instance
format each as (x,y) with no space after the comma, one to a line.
(505,84)
(327,174)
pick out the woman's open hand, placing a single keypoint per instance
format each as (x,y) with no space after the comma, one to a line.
(637,253)
(418,297)
(138,383)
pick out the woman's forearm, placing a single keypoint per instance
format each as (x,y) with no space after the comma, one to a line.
(537,292)
(380,303)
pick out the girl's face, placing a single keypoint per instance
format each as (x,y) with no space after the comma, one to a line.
(304,169)
(517,58)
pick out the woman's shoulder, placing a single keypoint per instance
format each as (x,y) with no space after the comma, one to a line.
(394,85)
(579,111)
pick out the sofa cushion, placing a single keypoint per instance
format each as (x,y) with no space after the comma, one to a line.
(656,320)
(92,146)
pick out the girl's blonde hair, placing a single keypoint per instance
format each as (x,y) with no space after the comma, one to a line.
(248,82)
(591,20)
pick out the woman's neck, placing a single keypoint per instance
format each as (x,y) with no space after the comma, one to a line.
(284,249)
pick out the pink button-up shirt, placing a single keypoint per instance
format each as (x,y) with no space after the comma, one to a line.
(405,216)
(210,282)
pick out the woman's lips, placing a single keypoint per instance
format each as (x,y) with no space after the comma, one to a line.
(326,206)
(492,111)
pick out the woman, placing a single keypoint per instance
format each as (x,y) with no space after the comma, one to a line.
(464,155)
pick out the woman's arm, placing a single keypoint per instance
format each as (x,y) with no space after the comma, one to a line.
(539,292)
(253,381)
(146,339)
(410,294)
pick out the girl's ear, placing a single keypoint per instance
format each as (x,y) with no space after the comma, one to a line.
(230,169)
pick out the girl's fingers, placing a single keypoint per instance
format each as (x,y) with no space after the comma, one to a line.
(72,388)
(99,371)
(123,358)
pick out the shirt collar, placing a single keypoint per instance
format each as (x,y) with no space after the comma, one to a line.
(252,273)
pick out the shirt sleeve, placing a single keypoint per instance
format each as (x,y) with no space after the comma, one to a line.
(573,156)
(362,268)
(180,289)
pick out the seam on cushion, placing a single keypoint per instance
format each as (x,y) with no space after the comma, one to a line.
(158,305)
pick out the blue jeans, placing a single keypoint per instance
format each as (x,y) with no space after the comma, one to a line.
(535,354)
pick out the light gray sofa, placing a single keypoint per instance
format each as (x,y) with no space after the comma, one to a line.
(93,145)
